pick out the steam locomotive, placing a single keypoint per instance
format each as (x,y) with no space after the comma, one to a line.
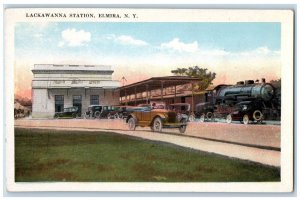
(246,101)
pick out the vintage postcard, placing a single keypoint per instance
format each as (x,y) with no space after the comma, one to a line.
(149,100)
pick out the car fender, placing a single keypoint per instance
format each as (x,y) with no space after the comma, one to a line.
(131,116)
(163,117)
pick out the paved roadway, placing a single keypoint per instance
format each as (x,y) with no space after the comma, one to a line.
(258,143)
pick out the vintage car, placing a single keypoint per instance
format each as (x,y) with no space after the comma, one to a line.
(183,109)
(156,119)
(204,111)
(98,111)
(245,112)
(122,112)
(70,112)
(94,111)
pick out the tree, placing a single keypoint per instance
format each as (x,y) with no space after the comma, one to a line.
(205,78)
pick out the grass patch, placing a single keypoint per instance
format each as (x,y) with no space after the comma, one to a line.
(49,155)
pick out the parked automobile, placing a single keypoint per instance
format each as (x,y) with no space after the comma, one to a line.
(70,112)
(156,119)
(93,111)
(204,111)
(183,109)
(245,112)
(122,112)
(106,109)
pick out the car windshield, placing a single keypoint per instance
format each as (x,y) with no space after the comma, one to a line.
(97,108)
(179,108)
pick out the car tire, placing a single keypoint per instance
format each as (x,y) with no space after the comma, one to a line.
(131,124)
(182,129)
(228,119)
(120,116)
(157,124)
(116,116)
(202,118)
(209,116)
(246,119)
(97,114)
(192,118)
(258,115)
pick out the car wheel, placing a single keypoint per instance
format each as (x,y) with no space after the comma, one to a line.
(182,129)
(228,119)
(131,124)
(192,118)
(120,116)
(86,116)
(202,118)
(157,124)
(97,114)
(209,116)
(246,119)
(258,115)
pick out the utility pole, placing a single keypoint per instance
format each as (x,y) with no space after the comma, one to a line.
(123,81)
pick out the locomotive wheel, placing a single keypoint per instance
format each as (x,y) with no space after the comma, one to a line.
(246,119)
(202,118)
(228,119)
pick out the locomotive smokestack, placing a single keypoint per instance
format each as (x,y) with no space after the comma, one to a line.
(263,80)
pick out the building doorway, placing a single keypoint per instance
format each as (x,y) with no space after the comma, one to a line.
(59,103)
(77,102)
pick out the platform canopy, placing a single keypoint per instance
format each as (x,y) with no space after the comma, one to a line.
(155,83)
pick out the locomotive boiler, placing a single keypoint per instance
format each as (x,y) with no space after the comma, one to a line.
(246,90)
(247,101)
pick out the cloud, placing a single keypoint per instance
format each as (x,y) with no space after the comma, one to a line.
(129,40)
(259,52)
(177,45)
(73,38)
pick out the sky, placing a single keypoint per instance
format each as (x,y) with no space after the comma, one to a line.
(137,51)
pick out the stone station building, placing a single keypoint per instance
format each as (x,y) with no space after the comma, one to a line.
(55,87)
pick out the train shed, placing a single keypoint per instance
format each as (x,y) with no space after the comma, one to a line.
(167,89)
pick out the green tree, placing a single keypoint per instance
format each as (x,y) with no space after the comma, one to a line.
(205,77)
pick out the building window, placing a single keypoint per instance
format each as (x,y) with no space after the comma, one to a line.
(59,103)
(94,100)
(77,102)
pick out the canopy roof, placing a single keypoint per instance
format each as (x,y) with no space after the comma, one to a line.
(156,83)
